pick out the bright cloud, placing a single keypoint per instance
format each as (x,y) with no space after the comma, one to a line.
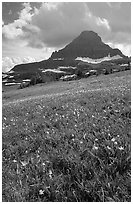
(125,48)
(39,30)
(8,63)
(103,22)
(59,25)
(15,29)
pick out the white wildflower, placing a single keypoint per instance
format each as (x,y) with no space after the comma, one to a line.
(24,163)
(14,160)
(41,192)
(84,136)
(121,148)
(95,147)
(108,147)
(50,174)
(113,139)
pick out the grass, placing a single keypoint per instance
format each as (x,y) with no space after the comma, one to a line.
(70,142)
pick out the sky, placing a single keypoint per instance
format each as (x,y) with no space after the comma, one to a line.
(32,31)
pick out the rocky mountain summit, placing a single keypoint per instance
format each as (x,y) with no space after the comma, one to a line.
(86,53)
(87,44)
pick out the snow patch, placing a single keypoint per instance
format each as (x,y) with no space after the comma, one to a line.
(10,72)
(95,61)
(4,76)
(68,76)
(10,84)
(53,70)
(93,71)
(61,67)
(87,73)
(4,81)
(58,59)
(123,65)
(26,80)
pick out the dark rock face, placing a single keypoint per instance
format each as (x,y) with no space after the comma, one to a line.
(87,44)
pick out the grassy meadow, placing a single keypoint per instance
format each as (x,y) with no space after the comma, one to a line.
(68,141)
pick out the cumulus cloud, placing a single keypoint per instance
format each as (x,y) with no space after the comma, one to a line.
(118,15)
(53,25)
(59,23)
(9,62)
(125,48)
(15,29)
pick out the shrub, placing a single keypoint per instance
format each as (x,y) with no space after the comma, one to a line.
(106,71)
(24,85)
(79,73)
(33,80)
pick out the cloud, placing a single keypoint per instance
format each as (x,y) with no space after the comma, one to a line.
(125,48)
(118,15)
(25,13)
(53,25)
(9,62)
(60,23)
(15,29)
(17,52)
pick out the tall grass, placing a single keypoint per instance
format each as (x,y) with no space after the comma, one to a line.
(72,147)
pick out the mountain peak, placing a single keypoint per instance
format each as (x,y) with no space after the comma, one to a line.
(87,33)
(87,44)
(88,38)
(90,35)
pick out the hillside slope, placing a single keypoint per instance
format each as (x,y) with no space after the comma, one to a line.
(69,143)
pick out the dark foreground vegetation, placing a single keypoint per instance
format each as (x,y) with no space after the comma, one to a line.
(70,146)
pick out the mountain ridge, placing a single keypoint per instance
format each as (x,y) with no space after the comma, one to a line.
(87,44)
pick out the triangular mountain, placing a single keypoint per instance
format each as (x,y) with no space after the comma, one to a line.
(87,44)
